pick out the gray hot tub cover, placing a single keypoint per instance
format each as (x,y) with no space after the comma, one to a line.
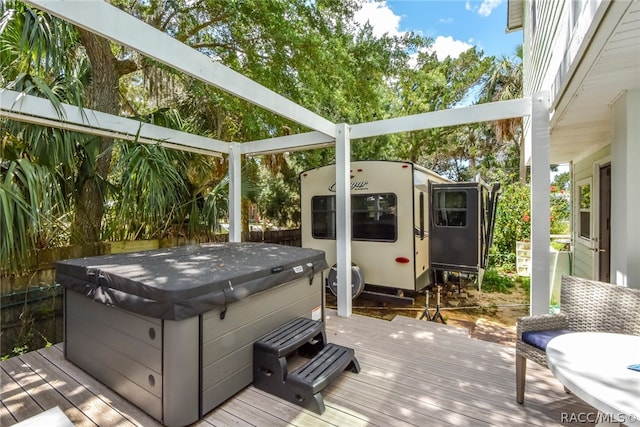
(181,282)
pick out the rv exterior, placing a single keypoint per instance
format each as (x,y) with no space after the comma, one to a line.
(392,216)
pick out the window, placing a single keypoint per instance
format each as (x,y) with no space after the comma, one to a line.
(373,217)
(450,208)
(323,211)
(584,209)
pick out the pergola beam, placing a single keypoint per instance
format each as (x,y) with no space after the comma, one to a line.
(444,118)
(298,142)
(40,111)
(102,18)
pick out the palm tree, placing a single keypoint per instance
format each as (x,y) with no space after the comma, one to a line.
(37,57)
(505,83)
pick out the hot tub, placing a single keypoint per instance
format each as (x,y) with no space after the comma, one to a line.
(172,330)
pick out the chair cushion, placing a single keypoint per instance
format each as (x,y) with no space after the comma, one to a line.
(540,339)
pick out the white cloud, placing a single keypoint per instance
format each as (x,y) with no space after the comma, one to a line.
(487,7)
(384,21)
(447,46)
(380,17)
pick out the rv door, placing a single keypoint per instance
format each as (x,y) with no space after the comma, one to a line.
(489,211)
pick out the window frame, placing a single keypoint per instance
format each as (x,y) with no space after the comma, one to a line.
(331,214)
(377,213)
(436,209)
(586,240)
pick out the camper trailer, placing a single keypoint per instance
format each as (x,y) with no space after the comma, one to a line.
(396,208)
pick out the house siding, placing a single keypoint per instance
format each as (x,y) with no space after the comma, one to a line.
(553,47)
(570,48)
(625,197)
(539,43)
(556,44)
(537,47)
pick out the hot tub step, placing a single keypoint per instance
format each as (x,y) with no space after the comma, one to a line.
(291,336)
(309,380)
(303,385)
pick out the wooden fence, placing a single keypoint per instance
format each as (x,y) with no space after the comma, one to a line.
(31,302)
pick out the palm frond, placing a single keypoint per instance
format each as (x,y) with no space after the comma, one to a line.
(150,187)
(31,202)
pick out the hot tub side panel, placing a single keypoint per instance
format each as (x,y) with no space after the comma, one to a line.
(227,344)
(121,349)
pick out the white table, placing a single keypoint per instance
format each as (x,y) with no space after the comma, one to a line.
(54,417)
(593,366)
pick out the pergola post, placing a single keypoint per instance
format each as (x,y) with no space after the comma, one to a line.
(540,204)
(235,186)
(343,218)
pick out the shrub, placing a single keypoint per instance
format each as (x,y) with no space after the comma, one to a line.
(493,281)
(512,223)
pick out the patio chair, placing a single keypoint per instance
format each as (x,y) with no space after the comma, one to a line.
(585,306)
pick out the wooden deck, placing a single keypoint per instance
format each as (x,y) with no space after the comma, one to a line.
(414,373)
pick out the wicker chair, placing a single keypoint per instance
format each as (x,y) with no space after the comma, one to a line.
(585,306)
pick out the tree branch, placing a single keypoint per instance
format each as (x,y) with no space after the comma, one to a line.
(126,66)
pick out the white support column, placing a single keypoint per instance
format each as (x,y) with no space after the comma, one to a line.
(343,218)
(540,204)
(235,186)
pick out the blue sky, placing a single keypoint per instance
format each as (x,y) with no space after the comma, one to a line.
(454,25)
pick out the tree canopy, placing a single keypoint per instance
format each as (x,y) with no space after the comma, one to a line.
(310,52)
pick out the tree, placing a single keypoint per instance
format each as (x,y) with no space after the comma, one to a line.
(102,94)
(505,83)
(437,85)
(307,51)
(264,41)
(38,56)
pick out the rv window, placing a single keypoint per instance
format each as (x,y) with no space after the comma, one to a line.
(374,217)
(323,210)
(450,208)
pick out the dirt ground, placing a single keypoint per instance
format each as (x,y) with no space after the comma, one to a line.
(489,316)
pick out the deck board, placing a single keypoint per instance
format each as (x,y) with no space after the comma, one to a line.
(6,419)
(413,373)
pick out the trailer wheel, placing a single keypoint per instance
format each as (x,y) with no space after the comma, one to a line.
(357,280)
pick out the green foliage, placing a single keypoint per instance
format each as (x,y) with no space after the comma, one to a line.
(31,207)
(560,206)
(492,281)
(513,220)
(309,52)
(513,223)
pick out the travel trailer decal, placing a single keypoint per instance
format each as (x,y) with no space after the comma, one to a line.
(355,186)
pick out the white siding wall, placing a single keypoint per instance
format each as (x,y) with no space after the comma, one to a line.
(537,47)
(554,46)
(625,197)
(542,44)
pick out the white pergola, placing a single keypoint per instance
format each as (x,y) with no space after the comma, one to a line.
(110,22)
